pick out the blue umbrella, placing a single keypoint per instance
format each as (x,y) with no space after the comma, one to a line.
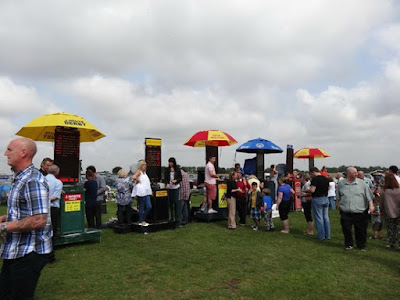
(259,146)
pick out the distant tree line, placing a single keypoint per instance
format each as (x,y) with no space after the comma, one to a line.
(194,169)
(190,169)
(365,169)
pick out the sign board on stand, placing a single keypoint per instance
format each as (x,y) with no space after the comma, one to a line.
(72,203)
(66,153)
(153,158)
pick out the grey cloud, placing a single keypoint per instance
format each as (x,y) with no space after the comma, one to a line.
(181,44)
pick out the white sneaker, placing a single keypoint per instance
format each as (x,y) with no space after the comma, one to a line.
(203,208)
(212,211)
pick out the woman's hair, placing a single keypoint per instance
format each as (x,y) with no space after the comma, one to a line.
(306,176)
(122,173)
(390,182)
(89,174)
(173,161)
(231,175)
(282,179)
(140,164)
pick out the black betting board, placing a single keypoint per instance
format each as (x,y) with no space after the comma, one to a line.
(153,159)
(66,153)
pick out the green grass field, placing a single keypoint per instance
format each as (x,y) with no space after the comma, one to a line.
(208,261)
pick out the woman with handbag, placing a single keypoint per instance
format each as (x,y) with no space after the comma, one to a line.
(173,178)
(231,195)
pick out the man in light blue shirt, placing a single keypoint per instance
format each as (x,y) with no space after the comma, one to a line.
(361,175)
(55,189)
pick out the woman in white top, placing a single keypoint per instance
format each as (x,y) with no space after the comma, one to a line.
(332,193)
(173,178)
(142,191)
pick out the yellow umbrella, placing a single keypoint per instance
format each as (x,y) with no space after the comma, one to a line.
(43,127)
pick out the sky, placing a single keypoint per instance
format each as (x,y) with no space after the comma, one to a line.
(316,73)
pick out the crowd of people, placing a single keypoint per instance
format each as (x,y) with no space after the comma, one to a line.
(358,200)
(33,210)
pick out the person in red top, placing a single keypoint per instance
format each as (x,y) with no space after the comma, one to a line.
(241,200)
(324,172)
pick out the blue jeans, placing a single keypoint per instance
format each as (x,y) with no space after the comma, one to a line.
(144,202)
(320,208)
(332,202)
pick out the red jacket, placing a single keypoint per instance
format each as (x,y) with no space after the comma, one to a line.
(244,185)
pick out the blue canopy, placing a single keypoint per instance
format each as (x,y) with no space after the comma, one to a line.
(259,146)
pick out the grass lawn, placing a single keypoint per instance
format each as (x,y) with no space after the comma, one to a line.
(208,261)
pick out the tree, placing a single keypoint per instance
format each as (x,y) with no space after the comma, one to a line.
(116,170)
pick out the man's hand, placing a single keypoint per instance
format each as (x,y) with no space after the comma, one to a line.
(371,208)
(3,218)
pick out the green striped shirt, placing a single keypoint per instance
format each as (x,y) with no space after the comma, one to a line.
(353,197)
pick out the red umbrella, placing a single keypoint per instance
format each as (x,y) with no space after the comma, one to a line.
(311,153)
(210,138)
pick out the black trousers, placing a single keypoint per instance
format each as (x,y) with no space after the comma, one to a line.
(19,277)
(307,210)
(55,217)
(124,213)
(241,207)
(55,221)
(360,223)
(93,216)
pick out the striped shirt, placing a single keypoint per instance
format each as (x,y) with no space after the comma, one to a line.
(29,195)
(184,192)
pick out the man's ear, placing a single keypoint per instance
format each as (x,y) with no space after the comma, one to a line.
(24,152)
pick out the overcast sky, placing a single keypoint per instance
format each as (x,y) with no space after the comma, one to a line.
(308,73)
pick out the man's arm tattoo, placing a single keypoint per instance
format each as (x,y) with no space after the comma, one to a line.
(32,223)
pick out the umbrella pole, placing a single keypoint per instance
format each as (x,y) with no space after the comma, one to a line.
(260,166)
(310,163)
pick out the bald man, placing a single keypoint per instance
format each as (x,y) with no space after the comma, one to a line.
(361,175)
(26,230)
(354,199)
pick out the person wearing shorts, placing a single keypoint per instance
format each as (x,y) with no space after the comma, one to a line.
(283,203)
(377,224)
(210,182)
(255,199)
